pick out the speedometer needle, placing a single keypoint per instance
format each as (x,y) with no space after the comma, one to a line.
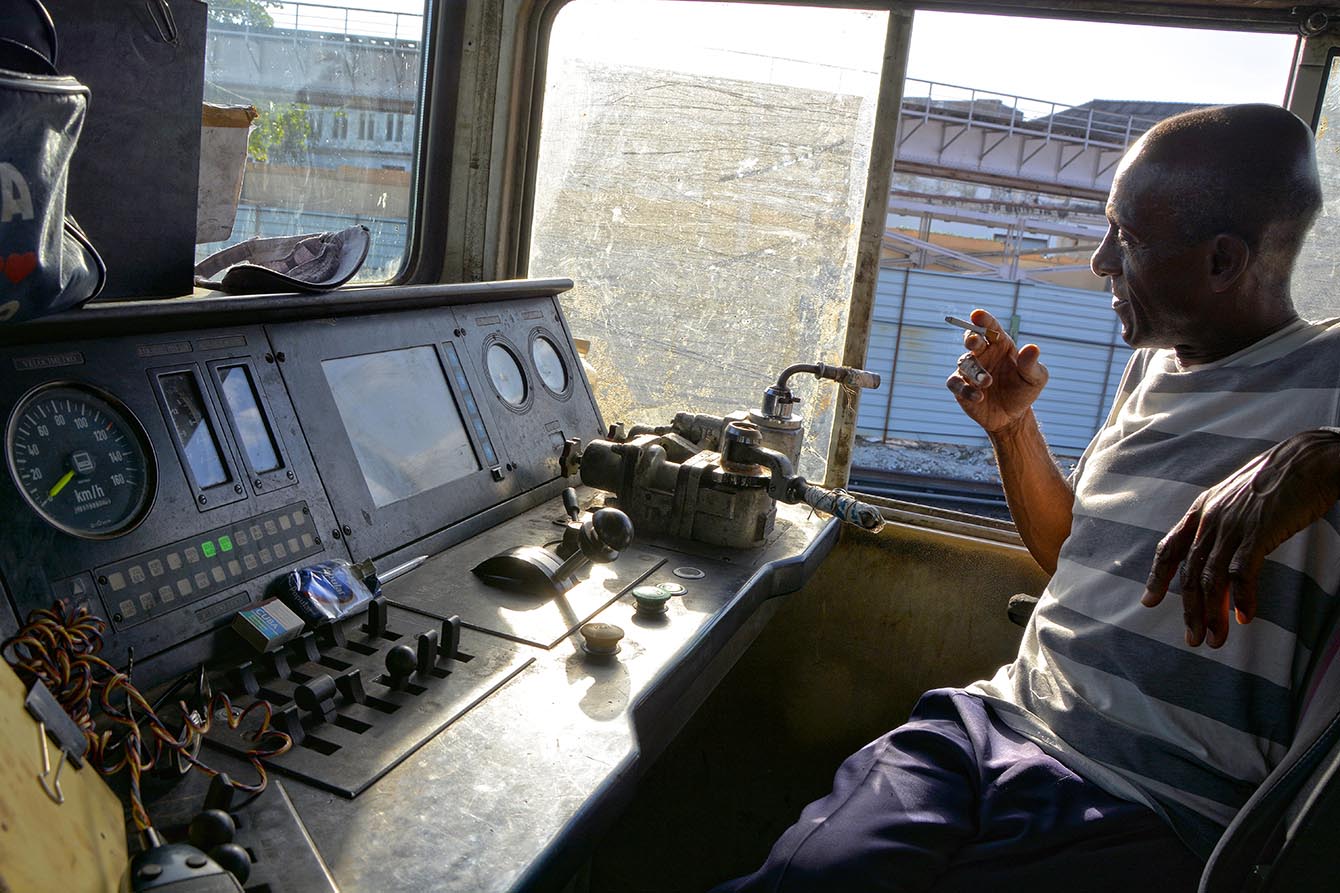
(60,484)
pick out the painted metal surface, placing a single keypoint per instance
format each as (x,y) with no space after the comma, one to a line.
(914,350)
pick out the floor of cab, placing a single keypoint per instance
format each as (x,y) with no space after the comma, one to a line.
(840,663)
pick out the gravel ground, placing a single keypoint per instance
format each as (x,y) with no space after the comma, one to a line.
(943,460)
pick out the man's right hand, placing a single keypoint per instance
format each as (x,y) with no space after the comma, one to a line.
(995,382)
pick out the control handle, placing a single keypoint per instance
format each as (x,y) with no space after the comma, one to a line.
(844,506)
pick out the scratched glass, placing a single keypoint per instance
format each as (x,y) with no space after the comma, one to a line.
(701,177)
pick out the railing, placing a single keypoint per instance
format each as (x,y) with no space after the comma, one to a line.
(931,101)
(349,21)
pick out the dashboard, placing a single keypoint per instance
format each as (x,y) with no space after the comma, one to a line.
(169,464)
(163,480)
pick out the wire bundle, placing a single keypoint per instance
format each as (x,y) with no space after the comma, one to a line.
(59,647)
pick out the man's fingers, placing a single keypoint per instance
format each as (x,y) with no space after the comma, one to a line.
(987,321)
(1167,557)
(1216,617)
(972,371)
(1193,612)
(962,390)
(1215,583)
(1030,370)
(1243,572)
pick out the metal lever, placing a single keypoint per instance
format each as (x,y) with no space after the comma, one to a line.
(741,446)
(570,503)
(844,506)
(778,399)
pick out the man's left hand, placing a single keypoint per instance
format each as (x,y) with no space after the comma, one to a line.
(1224,538)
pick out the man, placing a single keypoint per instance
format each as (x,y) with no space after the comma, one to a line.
(1113,751)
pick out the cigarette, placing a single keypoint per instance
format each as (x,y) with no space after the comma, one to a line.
(964,324)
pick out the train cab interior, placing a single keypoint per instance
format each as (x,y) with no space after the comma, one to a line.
(533,556)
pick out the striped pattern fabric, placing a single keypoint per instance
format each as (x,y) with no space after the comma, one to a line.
(1109,686)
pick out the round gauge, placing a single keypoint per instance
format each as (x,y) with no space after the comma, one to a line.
(81,460)
(505,373)
(549,364)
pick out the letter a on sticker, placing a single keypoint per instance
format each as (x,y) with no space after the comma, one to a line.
(16,200)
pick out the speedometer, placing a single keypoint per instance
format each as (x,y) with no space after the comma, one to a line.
(81,459)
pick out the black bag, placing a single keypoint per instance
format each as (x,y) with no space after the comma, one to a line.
(134,181)
(46,262)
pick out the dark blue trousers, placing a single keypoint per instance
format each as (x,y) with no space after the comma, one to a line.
(954,800)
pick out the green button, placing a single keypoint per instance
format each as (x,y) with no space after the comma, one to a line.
(226,543)
(207,549)
(650,599)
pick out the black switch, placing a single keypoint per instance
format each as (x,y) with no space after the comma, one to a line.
(350,685)
(307,647)
(332,634)
(427,652)
(220,794)
(289,722)
(244,675)
(450,645)
(317,697)
(278,663)
(376,625)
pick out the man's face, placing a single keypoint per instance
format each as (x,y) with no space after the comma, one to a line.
(1159,282)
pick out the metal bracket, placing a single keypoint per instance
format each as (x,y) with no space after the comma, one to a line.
(52,718)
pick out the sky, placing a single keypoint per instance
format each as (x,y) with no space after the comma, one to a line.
(1053,60)
(1072,62)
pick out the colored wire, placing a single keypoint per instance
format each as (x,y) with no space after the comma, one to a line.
(59,647)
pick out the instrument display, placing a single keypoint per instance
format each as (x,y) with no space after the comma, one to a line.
(405,428)
(81,459)
(549,364)
(505,374)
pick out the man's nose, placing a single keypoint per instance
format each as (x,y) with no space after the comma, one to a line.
(1106,260)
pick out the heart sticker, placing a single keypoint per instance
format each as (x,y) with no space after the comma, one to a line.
(19,266)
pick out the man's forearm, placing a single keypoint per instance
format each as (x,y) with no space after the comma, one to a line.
(1038,494)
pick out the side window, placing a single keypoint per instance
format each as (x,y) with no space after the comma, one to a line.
(1313,285)
(701,177)
(1009,134)
(309,68)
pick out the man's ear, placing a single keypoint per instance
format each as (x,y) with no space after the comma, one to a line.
(1229,256)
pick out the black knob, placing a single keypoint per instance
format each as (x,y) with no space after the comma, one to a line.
(613,528)
(311,694)
(401,661)
(211,828)
(317,697)
(570,503)
(233,859)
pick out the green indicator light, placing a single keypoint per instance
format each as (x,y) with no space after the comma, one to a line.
(226,543)
(207,549)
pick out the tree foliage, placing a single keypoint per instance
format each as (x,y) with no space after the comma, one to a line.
(281,134)
(243,12)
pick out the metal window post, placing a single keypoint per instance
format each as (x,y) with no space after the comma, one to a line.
(876,210)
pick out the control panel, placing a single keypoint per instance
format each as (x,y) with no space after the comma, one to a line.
(166,480)
(182,471)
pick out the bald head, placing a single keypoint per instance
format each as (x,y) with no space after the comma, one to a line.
(1244,170)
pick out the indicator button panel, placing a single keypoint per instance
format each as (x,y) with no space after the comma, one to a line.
(154,583)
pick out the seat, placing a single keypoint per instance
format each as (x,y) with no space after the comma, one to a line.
(1284,836)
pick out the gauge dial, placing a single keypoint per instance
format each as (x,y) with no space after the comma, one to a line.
(505,373)
(81,460)
(549,364)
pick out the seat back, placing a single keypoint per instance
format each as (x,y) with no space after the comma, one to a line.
(1272,842)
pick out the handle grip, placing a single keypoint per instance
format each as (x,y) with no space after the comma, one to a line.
(844,506)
